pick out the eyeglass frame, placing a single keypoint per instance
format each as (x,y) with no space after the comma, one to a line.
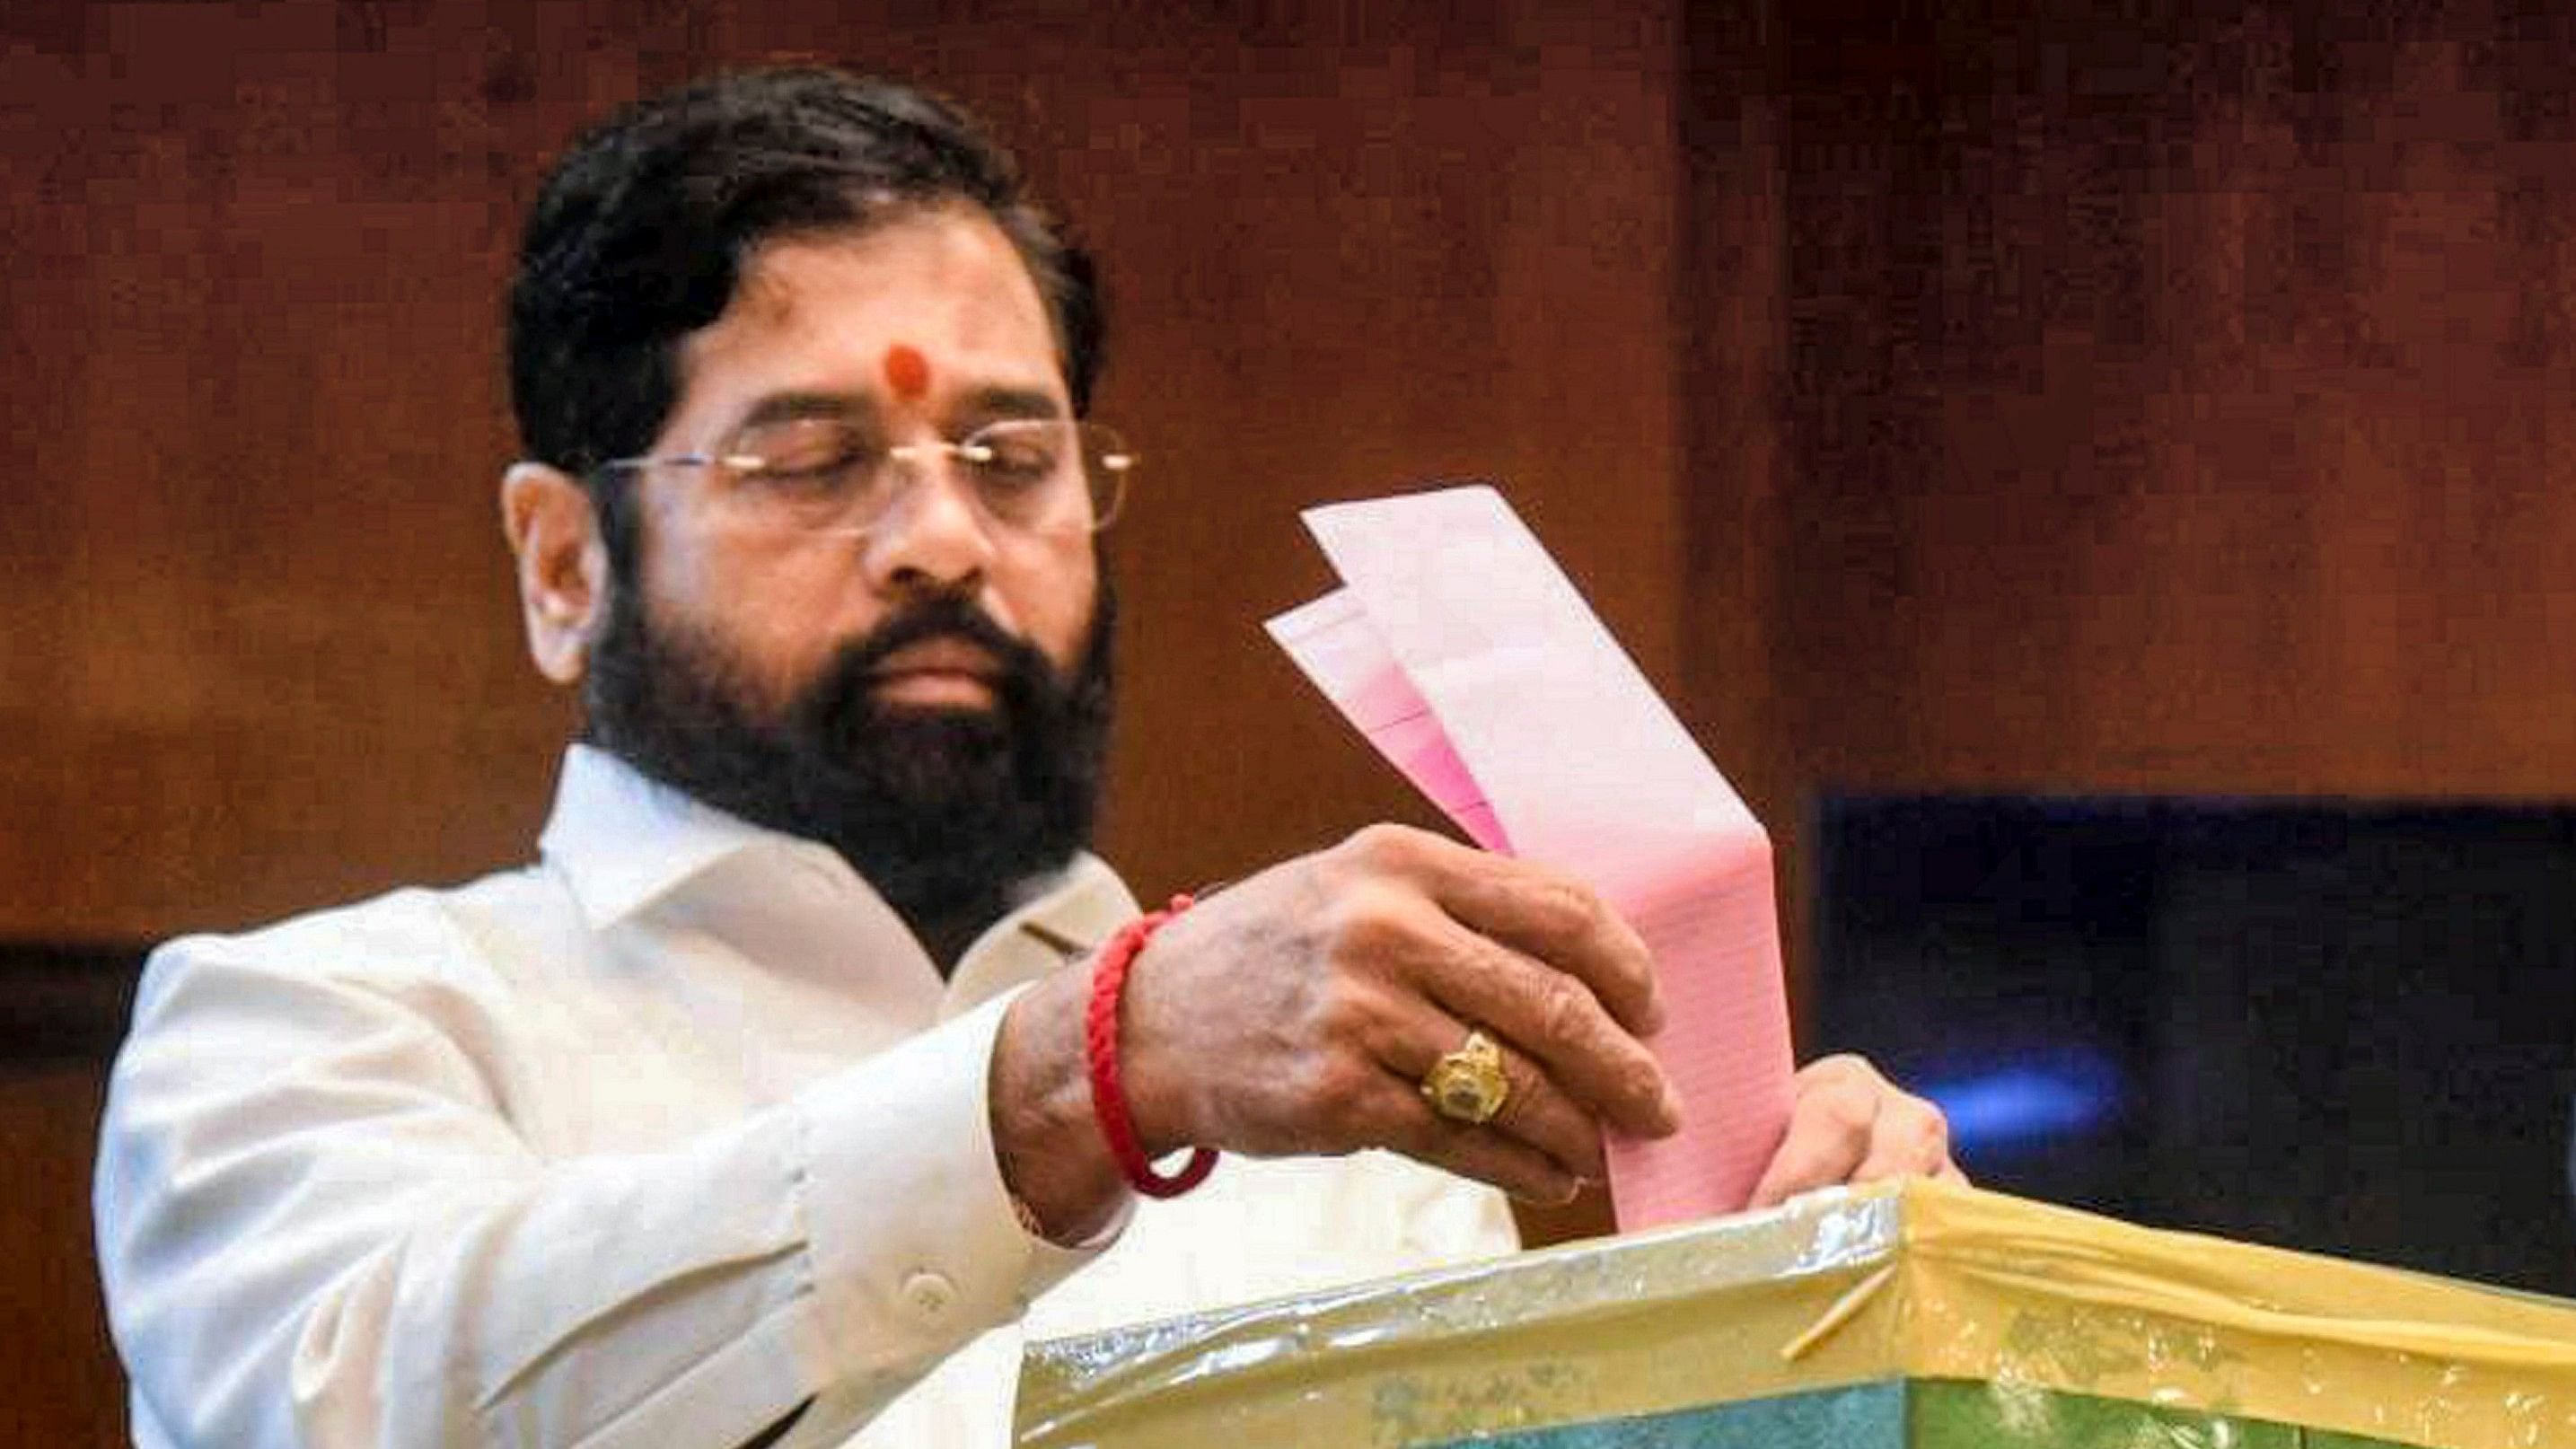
(1117,458)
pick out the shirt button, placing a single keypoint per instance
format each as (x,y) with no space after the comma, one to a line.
(929,1293)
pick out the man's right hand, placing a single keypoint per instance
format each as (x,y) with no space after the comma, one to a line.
(1296,1013)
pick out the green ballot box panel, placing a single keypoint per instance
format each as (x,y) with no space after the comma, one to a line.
(1930,1414)
(1864,1416)
(1912,1314)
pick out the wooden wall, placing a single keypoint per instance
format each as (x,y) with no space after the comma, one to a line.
(2176,398)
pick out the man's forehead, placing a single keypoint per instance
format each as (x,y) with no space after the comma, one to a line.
(906,308)
(954,252)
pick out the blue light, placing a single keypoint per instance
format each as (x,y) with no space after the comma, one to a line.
(2028,1101)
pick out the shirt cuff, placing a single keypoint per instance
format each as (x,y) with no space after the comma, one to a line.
(914,1243)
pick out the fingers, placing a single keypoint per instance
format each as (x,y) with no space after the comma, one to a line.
(1533,957)
(1537,911)
(1554,1020)
(1298,1011)
(1850,1125)
(1910,1139)
(1539,1146)
(1535,1110)
(1484,1153)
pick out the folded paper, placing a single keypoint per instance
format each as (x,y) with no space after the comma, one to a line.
(1465,656)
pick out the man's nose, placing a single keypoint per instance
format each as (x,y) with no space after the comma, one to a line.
(932,537)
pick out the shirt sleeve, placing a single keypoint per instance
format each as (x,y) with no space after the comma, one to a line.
(317,1226)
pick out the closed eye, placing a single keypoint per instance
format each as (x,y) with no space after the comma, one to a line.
(1016,455)
(805,454)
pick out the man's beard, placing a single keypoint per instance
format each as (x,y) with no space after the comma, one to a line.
(944,811)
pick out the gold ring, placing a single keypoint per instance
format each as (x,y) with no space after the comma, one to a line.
(1468,1085)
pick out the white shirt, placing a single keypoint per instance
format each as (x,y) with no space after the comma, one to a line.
(644,1144)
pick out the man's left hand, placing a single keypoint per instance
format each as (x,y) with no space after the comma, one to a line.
(1851,1125)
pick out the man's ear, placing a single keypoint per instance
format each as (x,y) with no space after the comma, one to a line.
(562,566)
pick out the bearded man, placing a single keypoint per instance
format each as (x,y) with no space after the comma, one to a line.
(760,1108)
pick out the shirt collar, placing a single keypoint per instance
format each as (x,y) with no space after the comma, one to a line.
(1060,918)
(625,841)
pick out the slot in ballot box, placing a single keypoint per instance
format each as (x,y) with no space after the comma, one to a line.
(1915,1314)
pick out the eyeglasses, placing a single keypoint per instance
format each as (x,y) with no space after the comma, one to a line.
(827,475)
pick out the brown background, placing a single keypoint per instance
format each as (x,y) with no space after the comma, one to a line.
(2044,397)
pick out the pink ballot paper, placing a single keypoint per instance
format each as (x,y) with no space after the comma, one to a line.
(1466,657)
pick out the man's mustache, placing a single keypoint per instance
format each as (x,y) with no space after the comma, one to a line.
(943,616)
(842,702)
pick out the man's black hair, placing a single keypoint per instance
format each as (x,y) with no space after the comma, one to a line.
(640,235)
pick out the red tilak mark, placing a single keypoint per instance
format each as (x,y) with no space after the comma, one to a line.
(907,371)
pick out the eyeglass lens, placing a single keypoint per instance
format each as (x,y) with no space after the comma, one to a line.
(1037,473)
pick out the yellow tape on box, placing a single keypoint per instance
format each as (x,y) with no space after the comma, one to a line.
(1921,1282)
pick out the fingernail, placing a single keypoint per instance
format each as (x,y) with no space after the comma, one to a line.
(1672,1109)
(1557,1193)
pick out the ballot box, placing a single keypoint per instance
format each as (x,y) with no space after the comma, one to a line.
(1912,1315)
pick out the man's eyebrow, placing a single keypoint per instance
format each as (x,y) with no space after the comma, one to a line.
(981,405)
(782,407)
(987,404)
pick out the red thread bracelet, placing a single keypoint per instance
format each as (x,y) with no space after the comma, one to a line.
(1100,1044)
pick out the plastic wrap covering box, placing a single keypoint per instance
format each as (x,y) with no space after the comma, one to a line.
(1891,1316)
